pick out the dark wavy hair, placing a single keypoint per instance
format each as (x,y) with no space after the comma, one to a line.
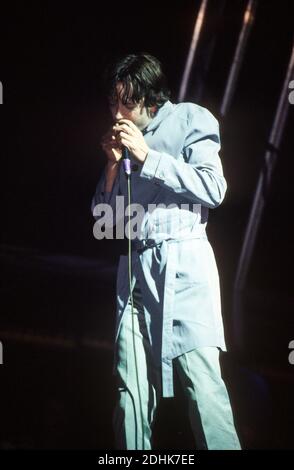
(142,77)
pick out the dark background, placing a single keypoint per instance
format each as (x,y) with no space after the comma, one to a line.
(57,313)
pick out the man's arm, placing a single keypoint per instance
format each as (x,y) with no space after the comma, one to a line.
(107,187)
(110,175)
(200,176)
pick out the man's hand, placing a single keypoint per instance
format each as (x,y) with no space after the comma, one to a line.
(131,137)
(111,147)
(113,150)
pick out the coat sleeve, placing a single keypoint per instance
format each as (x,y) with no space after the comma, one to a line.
(198,176)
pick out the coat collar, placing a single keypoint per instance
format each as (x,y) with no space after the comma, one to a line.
(161,114)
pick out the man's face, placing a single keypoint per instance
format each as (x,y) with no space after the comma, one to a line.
(135,112)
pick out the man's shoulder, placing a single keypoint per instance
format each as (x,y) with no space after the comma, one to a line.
(193,111)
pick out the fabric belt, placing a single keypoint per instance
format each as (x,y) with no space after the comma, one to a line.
(142,245)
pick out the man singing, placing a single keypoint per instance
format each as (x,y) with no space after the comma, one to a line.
(169,314)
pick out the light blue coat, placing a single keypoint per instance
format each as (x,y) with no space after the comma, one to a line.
(177,273)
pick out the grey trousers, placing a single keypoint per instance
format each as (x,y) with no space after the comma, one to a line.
(139,386)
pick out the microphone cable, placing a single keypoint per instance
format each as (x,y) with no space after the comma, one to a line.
(127,168)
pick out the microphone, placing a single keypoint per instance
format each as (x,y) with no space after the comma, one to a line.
(126,160)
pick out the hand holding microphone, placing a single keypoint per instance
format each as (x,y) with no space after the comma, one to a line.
(115,150)
(112,147)
(132,138)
